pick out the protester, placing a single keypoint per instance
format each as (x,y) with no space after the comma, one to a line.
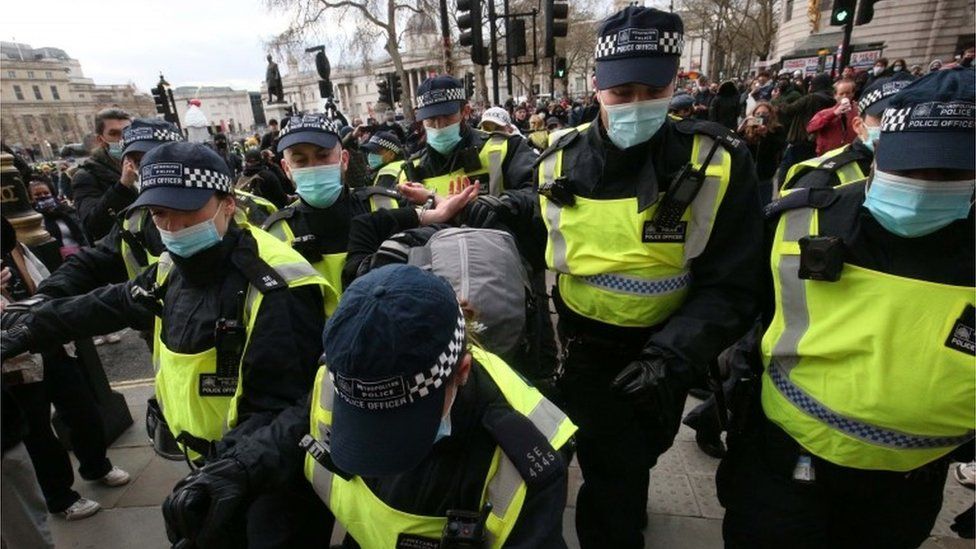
(538,135)
(104,185)
(766,139)
(259,179)
(834,126)
(724,108)
(795,116)
(59,219)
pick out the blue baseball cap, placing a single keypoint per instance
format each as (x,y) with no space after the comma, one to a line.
(390,349)
(144,134)
(439,95)
(314,128)
(874,98)
(931,123)
(181,176)
(383,140)
(638,45)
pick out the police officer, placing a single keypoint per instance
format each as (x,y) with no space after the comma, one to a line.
(653,227)
(868,352)
(384,154)
(454,149)
(317,226)
(418,438)
(235,313)
(850,162)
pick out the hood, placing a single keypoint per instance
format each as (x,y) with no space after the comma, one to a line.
(728,89)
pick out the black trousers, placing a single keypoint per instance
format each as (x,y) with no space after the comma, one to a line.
(841,508)
(64,387)
(617,444)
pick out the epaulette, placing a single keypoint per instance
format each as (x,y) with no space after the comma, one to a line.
(284,213)
(256,270)
(716,131)
(527,448)
(563,139)
(364,193)
(800,198)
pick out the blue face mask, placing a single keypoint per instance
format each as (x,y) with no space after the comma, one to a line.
(319,186)
(374,160)
(874,134)
(47,204)
(445,139)
(193,239)
(115,150)
(916,207)
(630,124)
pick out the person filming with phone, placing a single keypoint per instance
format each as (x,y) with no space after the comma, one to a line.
(766,138)
(834,126)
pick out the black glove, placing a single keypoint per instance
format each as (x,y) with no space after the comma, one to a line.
(20,311)
(487,211)
(646,383)
(15,341)
(203,505)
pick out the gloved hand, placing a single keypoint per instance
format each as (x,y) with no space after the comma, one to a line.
(15,341)
(646,383)
(487,211)
(20,311)
(203,505)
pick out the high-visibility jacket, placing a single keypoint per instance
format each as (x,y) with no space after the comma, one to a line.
(389,171)
(874,371)
(613,266)
(491,156)
(195,397)
(841,162)
(373,523)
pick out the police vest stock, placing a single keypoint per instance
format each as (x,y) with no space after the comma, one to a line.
(863,372)
(372,523)
(613,265)
(491,156)
(841,162)
(193,399)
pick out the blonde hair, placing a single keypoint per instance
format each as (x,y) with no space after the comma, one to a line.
(537,122)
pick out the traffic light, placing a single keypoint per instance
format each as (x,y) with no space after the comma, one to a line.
(162,102)
(325,89)
(555,14)
(515,38)
(469,84)
(396,88)
(865,12)
(469,22)
(559,67)
(384,88)
(842,13)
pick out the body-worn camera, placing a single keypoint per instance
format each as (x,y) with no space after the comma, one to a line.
(821,258)
(465,529)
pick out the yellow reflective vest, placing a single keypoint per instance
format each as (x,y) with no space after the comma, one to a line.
(193,397)
(491,155)
(846,172)
(862,372)
(372,523)
(390,171)
(610,266)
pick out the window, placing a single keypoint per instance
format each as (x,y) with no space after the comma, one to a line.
(37,93)
(29,123)
(47,74)
(63,122)
(18,92)
(55,94)
(30,74)
(11,74)
(47,124)
(788,10)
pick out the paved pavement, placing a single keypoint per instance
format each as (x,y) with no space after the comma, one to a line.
(684,512)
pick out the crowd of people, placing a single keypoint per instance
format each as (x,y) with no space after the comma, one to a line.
(350,321)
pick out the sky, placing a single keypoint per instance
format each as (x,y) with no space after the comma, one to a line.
(193,42)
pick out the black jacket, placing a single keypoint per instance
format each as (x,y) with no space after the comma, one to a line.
(724,292)
(98,192)
(263,182)
(516,166)
(279,361)
(724,108)
(452,476)
(64,214)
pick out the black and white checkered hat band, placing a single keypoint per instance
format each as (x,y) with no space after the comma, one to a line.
(931,117)
(434,97)
(158,134)
(622,44)
(192,178)
(310,122)
(397,391)
(385,144)
(869,99)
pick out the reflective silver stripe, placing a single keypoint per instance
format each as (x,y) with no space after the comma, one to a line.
(294,271)
(164,266)
(793,294)
(872,434)
(381,202)
(556,238)
(703,206)
(277,230)
(549,167)
(495,176)
(623,284)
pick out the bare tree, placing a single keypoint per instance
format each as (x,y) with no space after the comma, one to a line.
(372,19)
(736,30)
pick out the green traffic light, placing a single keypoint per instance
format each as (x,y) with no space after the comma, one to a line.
(841,15)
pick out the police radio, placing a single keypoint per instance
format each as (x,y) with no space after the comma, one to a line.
(682,191)
(229,338)
(465,529)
